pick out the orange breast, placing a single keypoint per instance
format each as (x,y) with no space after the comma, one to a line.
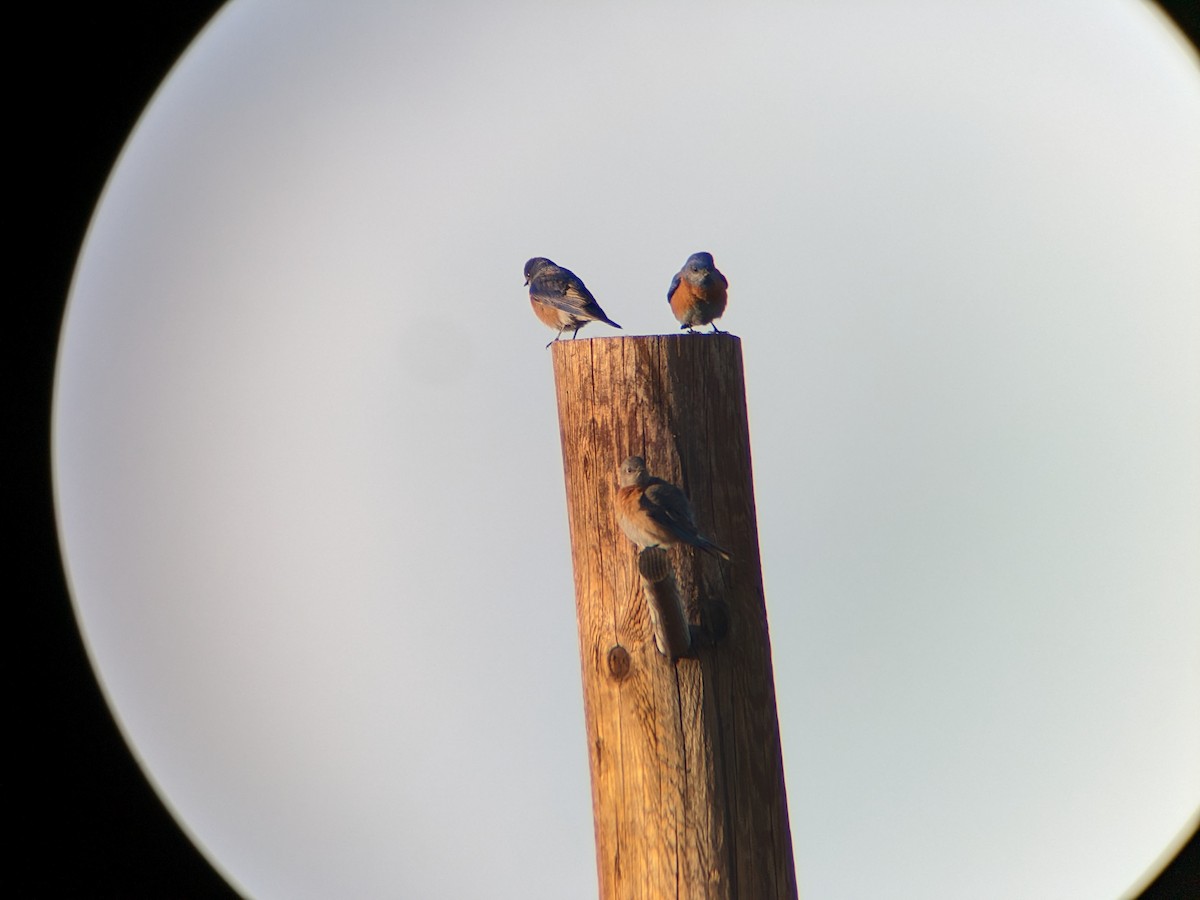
(636,522)
(552,316)
(695,305)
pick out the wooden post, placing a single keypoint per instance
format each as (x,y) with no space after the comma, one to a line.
(687,771)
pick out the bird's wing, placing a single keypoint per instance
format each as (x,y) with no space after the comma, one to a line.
(580,297)
(562,290)
(667,505)
(674,286)
(721,279)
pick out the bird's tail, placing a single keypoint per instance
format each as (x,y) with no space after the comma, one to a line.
(713,549)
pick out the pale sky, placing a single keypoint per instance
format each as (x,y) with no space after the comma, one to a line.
(301,395)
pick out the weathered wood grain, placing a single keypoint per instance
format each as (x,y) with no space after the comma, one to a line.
(687,771)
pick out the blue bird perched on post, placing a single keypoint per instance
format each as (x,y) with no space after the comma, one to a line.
(560,299)
(698,292)
(655,513)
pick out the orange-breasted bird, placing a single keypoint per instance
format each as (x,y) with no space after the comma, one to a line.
(560,299)
(655,513)
(698,292)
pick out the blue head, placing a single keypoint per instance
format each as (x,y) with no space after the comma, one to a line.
(699,264)
(536,265)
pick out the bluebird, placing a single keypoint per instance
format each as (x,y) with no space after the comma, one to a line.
(698,292)
(560,299)
(655,513)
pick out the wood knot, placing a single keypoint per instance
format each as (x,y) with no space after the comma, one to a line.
(619,662)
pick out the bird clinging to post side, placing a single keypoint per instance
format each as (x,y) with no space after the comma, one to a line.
(655,513)
(698,292)
(560,299)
